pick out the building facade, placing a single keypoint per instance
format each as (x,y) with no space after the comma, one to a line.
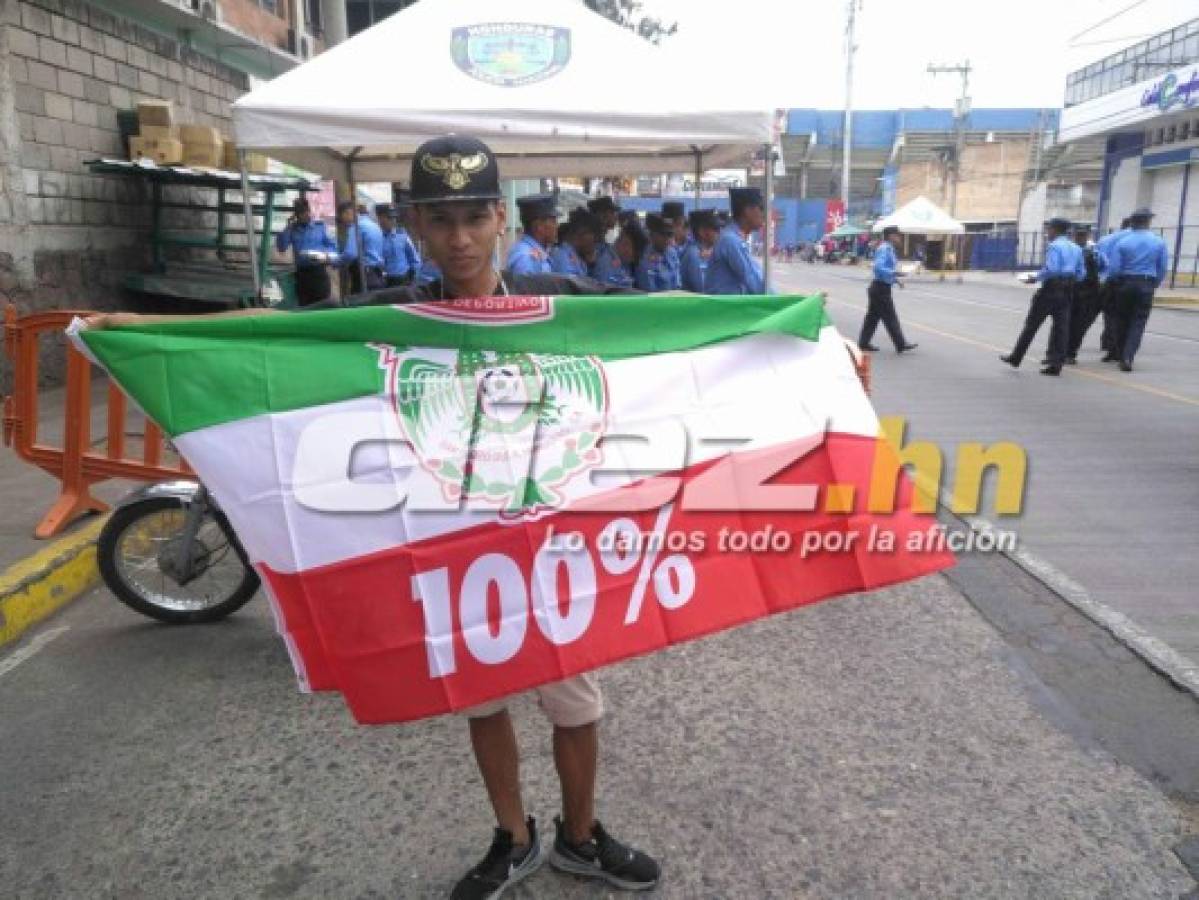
(1140,107)
(898,155)
(68,71)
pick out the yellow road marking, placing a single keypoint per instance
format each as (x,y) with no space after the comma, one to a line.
(1097,376)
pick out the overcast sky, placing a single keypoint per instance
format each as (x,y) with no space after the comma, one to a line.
(1021,50)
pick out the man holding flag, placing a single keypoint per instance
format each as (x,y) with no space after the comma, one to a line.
(461,217)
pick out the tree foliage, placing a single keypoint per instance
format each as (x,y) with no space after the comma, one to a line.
(630,14)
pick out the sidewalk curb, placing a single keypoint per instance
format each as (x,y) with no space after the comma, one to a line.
(36,587)
(1178,669)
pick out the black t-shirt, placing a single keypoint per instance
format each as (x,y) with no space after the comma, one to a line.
(549,284)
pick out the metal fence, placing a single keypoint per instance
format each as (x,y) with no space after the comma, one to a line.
(1003,251)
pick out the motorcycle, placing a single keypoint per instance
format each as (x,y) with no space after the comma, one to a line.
(168,552)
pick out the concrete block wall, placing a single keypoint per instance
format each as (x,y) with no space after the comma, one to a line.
(66,69)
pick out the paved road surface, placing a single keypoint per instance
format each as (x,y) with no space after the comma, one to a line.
(1113,483)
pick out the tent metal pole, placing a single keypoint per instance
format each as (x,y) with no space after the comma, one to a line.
(699,174)
(248,211)
(361,261)
(768,225)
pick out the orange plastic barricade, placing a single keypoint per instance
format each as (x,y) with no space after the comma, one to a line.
(76,463)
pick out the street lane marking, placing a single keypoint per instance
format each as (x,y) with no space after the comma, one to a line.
(1073,370)
(27,651)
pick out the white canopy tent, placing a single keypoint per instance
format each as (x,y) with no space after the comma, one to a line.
(552,87)
(921,216)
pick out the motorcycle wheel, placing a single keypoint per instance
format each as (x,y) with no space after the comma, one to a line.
(137,538)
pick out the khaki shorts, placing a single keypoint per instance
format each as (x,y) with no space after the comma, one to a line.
(567,704)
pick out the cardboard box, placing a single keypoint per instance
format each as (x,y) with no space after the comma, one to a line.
(255,162)
(207,156)
(164,152)
(203,135)
(155,112)
(158,132)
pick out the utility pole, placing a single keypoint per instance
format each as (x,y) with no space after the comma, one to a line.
(847,129)
(961,110)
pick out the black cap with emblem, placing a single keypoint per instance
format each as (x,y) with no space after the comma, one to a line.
(452,168)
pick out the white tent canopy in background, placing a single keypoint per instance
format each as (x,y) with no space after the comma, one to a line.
(921,216)
(552,87)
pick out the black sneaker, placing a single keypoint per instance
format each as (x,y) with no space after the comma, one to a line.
(604,857)
(504,865)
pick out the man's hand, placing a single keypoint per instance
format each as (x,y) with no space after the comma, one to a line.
(101,321)
(899,282)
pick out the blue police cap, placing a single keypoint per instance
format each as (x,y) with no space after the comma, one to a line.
(743,197)
(1144,214)
(673,210)
(656,224)
(538,206)
(603,205)
(1059,224)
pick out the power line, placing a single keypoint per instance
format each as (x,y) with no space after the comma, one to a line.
(1110,18)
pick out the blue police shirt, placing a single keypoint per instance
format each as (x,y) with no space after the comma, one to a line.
(429,271)
(1063,259)
(658,271)
(399,254)
(372,243)
(305,238)
(1105,247)
(1140,252)
(608,269)
(693,268)
(565,260)
(527,257)
(732,270)
(885,263)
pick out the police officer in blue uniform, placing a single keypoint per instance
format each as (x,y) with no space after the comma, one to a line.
(372,248)
(1108,288)
(693,267)
(313,247)
(733,269)
(606,264)
(578,241)
(1140,261)
(1084,308)
(401,262)
(539,221)
(1063,268)
(880,303)
(658,269)
(675,212)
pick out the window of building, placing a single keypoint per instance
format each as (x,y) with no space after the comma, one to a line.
(1140,62)
(362,14)
(270,6)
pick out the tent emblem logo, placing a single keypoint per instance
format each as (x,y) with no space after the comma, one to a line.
(510,54)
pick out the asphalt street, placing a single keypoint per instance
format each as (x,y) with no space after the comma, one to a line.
(1112,496)
(966,735)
